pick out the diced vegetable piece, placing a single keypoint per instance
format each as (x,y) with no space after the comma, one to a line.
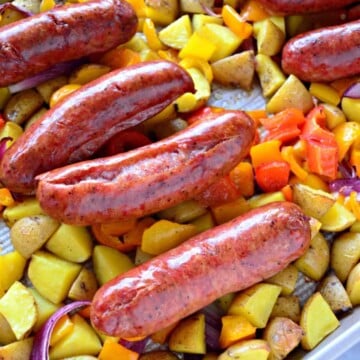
(28,207)
(198,46)
(10,130)
(316,327)
(51,276)
(113,350)
(345,254)
(270,75)
(345,135)
(195,6)
(45,308)
(189,335)
(334,116)
(82,340)
(235,70)
(314,203)
(288,307)
(158,355)
(165,235)
(184,212)
(162,12)
(283,335)
(31,232)
(198,20)
(109,262)
(177,34)
(203,222)
(88,72)
(292,93)
(62,328)
(7,336)
(18,350)
(72,243)
(161,336)
(84,286)
(315,261)
(263,199)
(12,267)
(351,108)
(286,278)
(270,38)
(226,212)
(335,294)
(19,309)
(325,93)
(256,303)
(235,328)
(353,285)
(247,350)
(47,88)
(337,218)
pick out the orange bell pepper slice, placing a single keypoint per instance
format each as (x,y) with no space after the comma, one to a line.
(113,350)
(272,176)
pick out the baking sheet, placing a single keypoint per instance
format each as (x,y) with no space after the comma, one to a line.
(347,335)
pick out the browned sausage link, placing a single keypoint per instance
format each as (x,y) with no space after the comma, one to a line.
(227,258)
(36,43)
(288,7)
(78,126)
(150,178)
(325,54)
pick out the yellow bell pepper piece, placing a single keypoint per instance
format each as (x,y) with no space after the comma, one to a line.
(6,198)
(152,36)
(198,47)
(63,327)
(139,7)
(87,73)
(267,151)
(47,5)
(200,64)
(351,108)
(325,93)
(61,93)
(234,21)
(345,135)
(355,156)
(287,153)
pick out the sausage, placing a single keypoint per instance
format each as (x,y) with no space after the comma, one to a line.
(325,54)
(33,44)
(150,178)
(78,126)
(224,259)
(289,7)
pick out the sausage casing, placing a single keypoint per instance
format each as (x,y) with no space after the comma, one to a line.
(227,258)
(288,7)
(33,44)
(325,54)
(150,178)
(78,126)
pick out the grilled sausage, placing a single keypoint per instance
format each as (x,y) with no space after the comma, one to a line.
(227,258)
(79,125)
(150,178)
(33,44)
(288,7)
(325,54)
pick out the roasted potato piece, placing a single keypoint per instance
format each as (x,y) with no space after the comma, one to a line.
(315,203)
(335,294)
(195,6)
(337,218)
(287,306)
(47,88)
(84,286)
(286,279)
(189,335)
(283,335)
(256,303)
(22,105)
(7,336)
(158,355)
(345,253)
(316,327)
(235,70)
(28,207)
(19,309)
(248,349)
(316,259)
(18,350)
(162,12)
(353,285)
(177,34)
(31,233)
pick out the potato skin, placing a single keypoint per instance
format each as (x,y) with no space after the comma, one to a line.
(325,54)
(185,279)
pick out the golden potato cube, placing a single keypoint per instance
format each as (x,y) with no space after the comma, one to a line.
(325,93)
(109,262)
(235,70)
(31,232)
(47,88)
(198,20)
(248,350)
(353,285)
(88,72)
(189,335)
(334,293)
(72,243)
(18,350)
(19,309)
(161,12)
(317,327)
(286,278)
(84,286)
(51,276)
(7,336)
(292,93)
(345,254)
(203,222)
(195,6)
(82,340)
(316,259)
(351,108)
(287,306)
(178,33)
(28,207)
(256,303)
(337,218)
(334,116)
(45,308)
(184,212)
(12,267)
(270,75)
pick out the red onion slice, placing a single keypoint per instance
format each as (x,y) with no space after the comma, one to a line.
(353,91)
(40,348)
